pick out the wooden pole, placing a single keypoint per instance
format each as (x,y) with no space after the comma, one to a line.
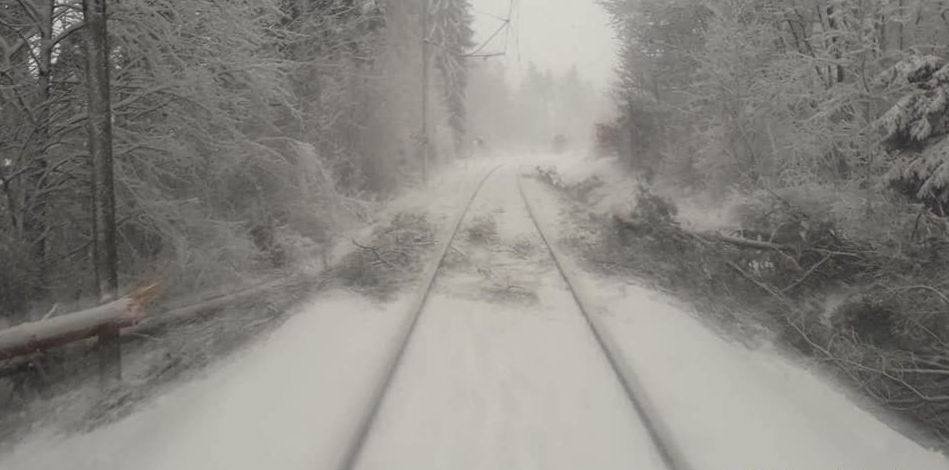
(426,57)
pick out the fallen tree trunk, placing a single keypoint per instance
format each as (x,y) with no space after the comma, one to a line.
(204,307)
(741,242)
(125,316)
(711,236)
(29,338)
(747,242)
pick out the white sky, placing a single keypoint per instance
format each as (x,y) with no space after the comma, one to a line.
(554,34)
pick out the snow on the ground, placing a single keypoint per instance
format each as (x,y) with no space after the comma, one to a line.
(490,382)
(729,406)
(256,408)
(495,383)
(506,387)
(288,403)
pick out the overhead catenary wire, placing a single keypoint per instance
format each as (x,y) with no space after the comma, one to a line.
(505,27)
(492,15)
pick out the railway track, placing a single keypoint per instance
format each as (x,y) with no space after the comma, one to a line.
(659,435)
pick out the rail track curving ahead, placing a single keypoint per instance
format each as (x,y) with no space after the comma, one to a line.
(659,434)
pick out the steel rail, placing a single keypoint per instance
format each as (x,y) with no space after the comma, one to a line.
(659,433)
(358,441)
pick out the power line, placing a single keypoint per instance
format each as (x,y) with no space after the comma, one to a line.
(505,27)
(484,13)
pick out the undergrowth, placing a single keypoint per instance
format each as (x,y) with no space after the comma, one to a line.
(392,257)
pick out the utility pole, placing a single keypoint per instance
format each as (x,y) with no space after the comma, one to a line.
(426,57)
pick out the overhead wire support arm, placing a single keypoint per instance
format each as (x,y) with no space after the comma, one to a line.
(505,26)
(485,56)
(492,15)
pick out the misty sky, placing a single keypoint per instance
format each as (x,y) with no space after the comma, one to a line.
(553,34)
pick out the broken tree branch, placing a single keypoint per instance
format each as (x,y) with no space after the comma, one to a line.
(375,252)
(806,274)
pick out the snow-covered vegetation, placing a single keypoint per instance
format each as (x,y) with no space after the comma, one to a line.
(247,134)
(201,167)
(818,125)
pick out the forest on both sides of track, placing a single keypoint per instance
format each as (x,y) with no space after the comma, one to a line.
(248,138)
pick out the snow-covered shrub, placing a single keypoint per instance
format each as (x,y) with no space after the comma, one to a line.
(652,209)
(390,257)
(798,215)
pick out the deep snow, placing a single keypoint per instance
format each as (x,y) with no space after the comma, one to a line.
(491,383)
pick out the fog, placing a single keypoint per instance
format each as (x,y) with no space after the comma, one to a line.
(553,34)
(544,78)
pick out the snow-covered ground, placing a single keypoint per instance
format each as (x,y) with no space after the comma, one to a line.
(728,406)
(496,381)
(501,373)
(285,403)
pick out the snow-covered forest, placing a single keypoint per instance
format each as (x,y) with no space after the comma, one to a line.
(822,123)
(237,127)
(437,234)
(840,96)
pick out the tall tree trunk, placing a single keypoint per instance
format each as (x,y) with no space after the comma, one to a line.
(103,191)
(901,37)
(35,207)
(835,43)
(100,147)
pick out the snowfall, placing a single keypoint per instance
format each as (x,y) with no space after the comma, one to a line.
(488,384)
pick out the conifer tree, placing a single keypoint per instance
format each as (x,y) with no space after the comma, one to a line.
(453,36)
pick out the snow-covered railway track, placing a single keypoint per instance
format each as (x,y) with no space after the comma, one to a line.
(504,370)
(658,432)
(658,435)
(358,440)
